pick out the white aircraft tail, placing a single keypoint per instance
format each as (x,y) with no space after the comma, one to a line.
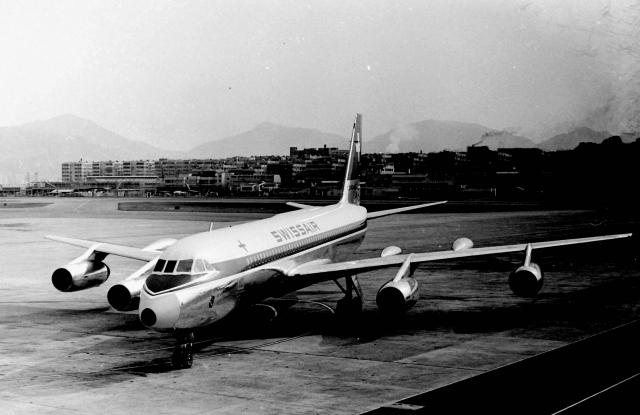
(351,189)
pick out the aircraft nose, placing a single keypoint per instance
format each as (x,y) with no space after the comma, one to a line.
(161,313)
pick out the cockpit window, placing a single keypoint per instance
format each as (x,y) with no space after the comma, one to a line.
(160,265)
(170,266)
(187,271)
(198,266)
(209,266)
(184,265)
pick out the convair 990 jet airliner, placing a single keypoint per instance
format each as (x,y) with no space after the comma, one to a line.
(198,280)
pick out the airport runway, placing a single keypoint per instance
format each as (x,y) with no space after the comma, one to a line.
(68,353)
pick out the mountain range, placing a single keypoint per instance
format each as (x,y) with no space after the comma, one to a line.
(268,139)
(42,146)
(571,139)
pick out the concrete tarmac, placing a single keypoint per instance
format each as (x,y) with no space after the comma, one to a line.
(590,376)
(69,353)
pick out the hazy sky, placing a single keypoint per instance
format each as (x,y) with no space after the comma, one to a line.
(177,73)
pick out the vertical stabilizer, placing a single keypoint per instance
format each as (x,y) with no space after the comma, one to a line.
(351,190)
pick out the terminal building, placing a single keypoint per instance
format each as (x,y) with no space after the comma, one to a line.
(166,177)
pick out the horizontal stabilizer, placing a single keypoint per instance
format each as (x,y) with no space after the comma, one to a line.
(381,213)
(299,205)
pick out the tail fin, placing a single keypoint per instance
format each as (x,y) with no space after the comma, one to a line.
(351,190)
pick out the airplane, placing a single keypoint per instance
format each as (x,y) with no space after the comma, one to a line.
(189,189)
(193,282)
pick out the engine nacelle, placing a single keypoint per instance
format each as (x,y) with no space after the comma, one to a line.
(397,296)
(80,275)
(526,280)
(125,296)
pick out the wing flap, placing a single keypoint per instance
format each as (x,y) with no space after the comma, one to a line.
(370,264)
(107,248)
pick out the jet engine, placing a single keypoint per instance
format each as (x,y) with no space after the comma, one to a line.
(527,279)
(80,275)
(399,294)
(125,296)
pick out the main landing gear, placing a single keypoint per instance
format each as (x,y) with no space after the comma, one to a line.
(349,306)
(182,357)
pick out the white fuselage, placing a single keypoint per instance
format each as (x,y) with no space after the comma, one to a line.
(246,263)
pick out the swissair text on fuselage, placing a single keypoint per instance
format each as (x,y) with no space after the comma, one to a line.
(295,231)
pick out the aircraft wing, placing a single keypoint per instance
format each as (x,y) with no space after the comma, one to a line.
(335,269)
(112,249)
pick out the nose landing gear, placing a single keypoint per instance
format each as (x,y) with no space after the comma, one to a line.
(182,357)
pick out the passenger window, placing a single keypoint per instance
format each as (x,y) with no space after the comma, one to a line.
(198,266)
(170,266)
(159,265)
(185,265)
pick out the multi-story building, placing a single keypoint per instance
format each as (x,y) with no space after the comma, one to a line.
(139,168)
(76,171)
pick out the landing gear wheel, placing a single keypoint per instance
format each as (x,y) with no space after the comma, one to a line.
(182,357)
(348,311)
(348,308)
(348,317)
